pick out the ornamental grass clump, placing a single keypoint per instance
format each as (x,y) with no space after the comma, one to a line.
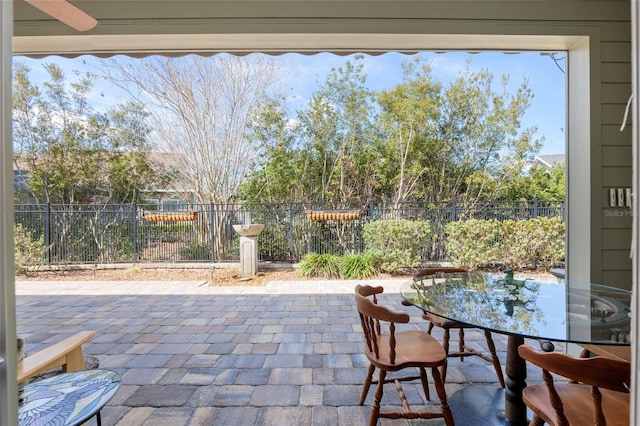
(319,265)
(358,266)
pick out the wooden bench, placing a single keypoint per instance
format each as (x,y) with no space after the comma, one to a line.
(66,354)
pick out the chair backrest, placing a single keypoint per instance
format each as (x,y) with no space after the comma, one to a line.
(371,317)
(431,271)
(598,372)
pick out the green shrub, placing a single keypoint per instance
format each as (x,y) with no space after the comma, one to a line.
(117,243)
(273,242)
(514,243)
(473,243)
(534,242)
(549,241)
(195,250)
(163,232)
(73,238)
(319,265)
(29,252)
(358,266)
(397,243)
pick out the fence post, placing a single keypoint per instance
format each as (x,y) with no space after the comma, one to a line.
(47,232)
(453,210)
(535,209)
(290,229)
(134,212)
(213,234)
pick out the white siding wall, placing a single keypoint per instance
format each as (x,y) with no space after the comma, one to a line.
(616,151)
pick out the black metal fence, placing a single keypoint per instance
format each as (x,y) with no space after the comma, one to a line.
(133,233)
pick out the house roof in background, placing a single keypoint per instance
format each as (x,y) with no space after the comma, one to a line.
(549,160)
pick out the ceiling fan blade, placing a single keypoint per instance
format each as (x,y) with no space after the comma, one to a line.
(65,12)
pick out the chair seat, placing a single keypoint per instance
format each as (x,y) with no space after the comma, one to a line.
(414,348)
(577,404)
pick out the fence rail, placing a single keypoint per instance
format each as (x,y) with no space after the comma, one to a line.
(133,233)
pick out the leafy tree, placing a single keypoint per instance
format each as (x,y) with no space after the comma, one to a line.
(409,113)
(419,141)
(336,132)
(275,176)
(73,154)
(538,183)
(448,142)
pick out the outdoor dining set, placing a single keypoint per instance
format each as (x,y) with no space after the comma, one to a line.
(595,389)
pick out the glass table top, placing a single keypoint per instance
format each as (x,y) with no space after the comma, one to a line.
(563,310)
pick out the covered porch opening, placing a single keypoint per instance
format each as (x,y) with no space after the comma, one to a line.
(583,76)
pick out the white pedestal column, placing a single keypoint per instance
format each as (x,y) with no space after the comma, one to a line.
(248,247)
(248,255)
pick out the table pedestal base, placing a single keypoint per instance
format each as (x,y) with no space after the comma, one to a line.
(480,406)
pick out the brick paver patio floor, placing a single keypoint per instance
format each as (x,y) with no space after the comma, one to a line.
(289,353)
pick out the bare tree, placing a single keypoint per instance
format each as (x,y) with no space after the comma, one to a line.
(204,108)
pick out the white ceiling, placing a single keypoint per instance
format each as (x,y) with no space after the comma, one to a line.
(141,27)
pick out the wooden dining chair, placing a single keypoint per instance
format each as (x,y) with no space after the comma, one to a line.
(597,392)
(447,325)
(389,350)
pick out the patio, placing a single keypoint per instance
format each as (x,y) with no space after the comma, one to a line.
(191,354)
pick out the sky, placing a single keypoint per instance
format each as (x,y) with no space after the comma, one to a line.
(545,76)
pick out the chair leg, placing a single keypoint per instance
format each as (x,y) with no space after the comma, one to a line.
(445,345)
(375,408)
(425,383)
(367,383)
(461,343)
(494,357)
(442,395)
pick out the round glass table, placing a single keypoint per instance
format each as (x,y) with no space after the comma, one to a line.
(561,311)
